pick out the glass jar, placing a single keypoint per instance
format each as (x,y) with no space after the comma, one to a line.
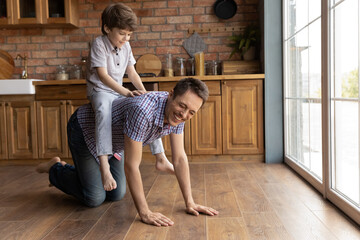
(190,67)
(75,72)
(61,73)
(180,68)
(168,70)
(212,67)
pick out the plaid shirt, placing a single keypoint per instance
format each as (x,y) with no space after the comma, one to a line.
(141,118)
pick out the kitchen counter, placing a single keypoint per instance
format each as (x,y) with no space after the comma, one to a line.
(160,79)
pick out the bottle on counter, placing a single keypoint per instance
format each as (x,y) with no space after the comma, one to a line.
(190,67)
(168,70)
(75,72)
(83,67)
(199,64)
(180,69)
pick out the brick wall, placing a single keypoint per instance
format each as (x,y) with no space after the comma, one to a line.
(162,28)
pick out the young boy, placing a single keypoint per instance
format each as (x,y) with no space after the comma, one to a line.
(109,58)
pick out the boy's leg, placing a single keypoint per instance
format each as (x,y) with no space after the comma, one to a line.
(118,173)
(162,163)
(102,105)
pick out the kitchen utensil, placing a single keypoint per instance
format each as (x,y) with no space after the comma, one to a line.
(7,65)
(194,44)
(148,63)
(225,9)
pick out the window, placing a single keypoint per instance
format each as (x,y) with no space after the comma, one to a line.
(321,96)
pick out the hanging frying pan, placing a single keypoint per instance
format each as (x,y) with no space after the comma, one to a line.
(225,9)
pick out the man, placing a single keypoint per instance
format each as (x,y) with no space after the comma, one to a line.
(135,122)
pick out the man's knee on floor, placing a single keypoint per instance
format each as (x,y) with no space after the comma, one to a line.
(95,200)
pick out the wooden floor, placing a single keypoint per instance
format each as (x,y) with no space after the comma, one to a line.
(256,201)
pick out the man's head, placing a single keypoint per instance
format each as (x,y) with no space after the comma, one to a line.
(119,16)
(185,100)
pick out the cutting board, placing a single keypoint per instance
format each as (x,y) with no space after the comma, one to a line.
(6,65)
(148,63)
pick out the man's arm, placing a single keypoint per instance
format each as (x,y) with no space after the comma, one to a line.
(182,173)
(133,153)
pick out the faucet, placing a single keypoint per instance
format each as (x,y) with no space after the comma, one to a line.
(24,72)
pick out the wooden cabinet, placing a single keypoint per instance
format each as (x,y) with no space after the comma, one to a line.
(242,111)
(37,13)
(52,126)
(3,132)
(18,130)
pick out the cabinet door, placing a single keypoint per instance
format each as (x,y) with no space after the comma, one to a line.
(21,126)
(6,12)
(242,108)
(206,128)
(3,140)
(27,12)
(60,11)
(52,121)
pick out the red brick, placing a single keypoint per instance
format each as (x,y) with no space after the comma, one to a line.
(69,53)
(52,46)
(43,54)
(31,31)
(218,48)
(138,44)
(45,69)
(94,15)
(62,39)
(28,47)
(76,45)
(178,42)
(134,5)
(10,32)
(80,38)
(203,3)
(36,62)
(8,47)
(42,39)
(205,18)
(94,31)
(53,32)
(166,12)
(162,28)
(89,22)
(141,51)
(152,20)
(210,56)
(100,6)
(156,43)
(155,4)
(185,27)
(142,28)
(179,19)
(170,49)
(18,39)
(172,35)
(180,3)
(192,11)
(56,61)
(145,36)
(85,7)
(143,12)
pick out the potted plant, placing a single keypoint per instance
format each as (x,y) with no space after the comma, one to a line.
(245,43)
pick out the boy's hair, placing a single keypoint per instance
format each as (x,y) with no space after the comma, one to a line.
(118,15)
(195,85)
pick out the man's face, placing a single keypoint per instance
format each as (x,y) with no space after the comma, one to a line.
(181,108)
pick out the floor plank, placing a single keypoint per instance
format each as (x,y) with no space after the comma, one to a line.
(255,200)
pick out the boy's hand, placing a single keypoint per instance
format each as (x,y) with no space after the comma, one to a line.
(136,93)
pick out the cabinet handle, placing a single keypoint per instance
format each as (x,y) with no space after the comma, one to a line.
(224,82)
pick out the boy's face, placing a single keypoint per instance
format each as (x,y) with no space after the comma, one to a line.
(182,108)
(118,37)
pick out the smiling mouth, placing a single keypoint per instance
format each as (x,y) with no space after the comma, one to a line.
(177,118)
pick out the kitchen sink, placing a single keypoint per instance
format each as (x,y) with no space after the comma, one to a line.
(17,86)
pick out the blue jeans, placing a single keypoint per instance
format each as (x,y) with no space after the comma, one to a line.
(83,181)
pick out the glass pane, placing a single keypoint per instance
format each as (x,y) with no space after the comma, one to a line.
(56,8)
(345,148)
(3,9)
(346,47)
(297,16)
(315,59)
(27,9)
(315,139)
(297,61)
(314,9)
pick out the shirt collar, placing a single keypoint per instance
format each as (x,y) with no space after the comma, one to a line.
(159,120)
(108,45)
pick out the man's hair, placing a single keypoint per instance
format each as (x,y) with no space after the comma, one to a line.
(118,15)
(195,85)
